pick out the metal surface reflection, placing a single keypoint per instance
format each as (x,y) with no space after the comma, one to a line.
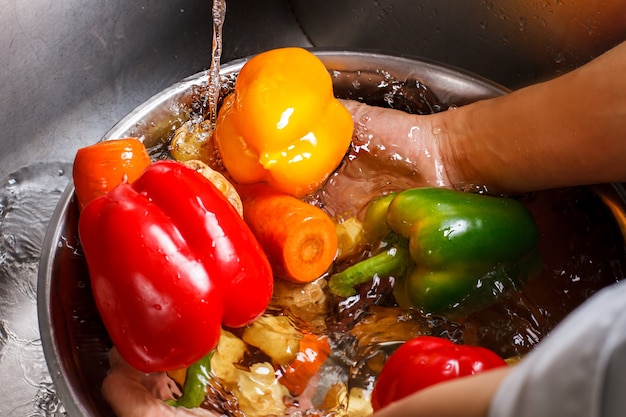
(514,43)
(27,199)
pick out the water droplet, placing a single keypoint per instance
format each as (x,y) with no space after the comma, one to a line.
(559,58)
(522,24)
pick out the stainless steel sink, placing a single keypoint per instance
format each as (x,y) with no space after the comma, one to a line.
(70,70)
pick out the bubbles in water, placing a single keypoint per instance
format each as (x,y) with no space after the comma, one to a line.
(48,402)
(27,199)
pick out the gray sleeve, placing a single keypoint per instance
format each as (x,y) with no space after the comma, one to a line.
(579,370)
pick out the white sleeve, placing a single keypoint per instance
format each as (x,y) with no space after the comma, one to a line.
(579,370)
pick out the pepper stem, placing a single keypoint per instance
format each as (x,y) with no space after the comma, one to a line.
(394,260)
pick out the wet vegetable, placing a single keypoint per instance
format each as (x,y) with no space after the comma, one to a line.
(467,248)
(195,385)
(312,353)
(276,336)
(256,389)
(193,142)
(282,124)
(219,181)
(350,239)
(375,227)
(394,260)
(100,167)
(424,361)
(170,260)
(299,239)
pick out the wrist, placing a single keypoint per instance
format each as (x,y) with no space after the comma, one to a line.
(447,131)
(475,157)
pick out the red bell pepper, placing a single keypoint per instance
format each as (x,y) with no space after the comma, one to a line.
(170,261)
(424,361)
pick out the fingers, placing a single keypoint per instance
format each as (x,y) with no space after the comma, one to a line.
(400,140)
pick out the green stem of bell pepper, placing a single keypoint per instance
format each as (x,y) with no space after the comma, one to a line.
(393,261)
(195,386)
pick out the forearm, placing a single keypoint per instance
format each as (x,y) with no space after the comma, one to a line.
(468,397)
(567,131)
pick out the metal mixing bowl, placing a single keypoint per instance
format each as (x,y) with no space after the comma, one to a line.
(73,337)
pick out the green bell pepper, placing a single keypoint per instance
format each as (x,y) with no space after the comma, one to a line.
(375,227)
(465,249)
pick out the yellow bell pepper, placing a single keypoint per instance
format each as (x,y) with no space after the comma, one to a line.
(282,124)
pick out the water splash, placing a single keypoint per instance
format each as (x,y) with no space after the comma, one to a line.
(27,199)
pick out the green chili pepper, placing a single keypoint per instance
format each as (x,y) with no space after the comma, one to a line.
(196,381)
(467,248)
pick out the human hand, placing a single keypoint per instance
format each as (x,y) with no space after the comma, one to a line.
(409,144)
(391,151)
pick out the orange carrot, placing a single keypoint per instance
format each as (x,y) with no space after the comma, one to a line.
(100,167)
(312,353)
(299,239)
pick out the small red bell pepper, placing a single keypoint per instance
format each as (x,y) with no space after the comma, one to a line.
(424,361)
(170,261)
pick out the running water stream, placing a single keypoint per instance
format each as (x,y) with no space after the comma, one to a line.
(219,14)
